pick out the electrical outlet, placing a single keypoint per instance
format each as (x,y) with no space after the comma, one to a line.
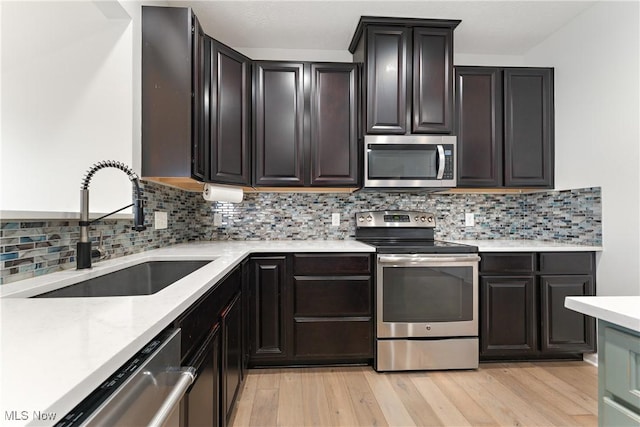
(335,219)
(217,219)
(469,220)
(160,220)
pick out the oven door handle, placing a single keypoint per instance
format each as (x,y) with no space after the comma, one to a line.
(426,259)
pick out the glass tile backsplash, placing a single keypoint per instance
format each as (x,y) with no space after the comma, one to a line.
(32,248)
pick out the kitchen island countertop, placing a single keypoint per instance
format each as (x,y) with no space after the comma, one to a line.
(56,351)
(619,310)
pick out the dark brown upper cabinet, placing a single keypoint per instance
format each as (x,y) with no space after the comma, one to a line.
(230,105)
(305,128)
(196,98)
(279,123)
(408,72)
(504,125)
(173,57)
(528,127)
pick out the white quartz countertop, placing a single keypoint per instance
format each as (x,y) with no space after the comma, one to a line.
(527,246)
(56,351)
(623,310)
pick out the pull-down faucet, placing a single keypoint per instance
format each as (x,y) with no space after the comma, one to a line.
(83,252)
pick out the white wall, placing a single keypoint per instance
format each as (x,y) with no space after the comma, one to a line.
(66,103)
(597,114)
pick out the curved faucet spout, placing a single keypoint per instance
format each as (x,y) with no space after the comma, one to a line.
(83,254)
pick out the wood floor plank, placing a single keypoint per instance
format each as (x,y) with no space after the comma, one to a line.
(290,409)
(340,406)
(578,375)
(444,409)
(264,411)
(365,405)
(494,399)
(533,382)
(462,400)
(390,402)
(314,398)
(244,404)
(586,398)
(536,400)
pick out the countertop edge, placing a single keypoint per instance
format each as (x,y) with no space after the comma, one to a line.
(621,311)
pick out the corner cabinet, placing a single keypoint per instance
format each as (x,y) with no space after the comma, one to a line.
(522,313)
(504,124)
(408,72)
(196,98)
(305,124)
(310,309)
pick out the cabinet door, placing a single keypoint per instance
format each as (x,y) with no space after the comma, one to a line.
(267,316)
(201,91)
(479,126)
(230,116)
(507,316)
(279,124)
(432,80)
(386,69)
(167,92)
(334,143)
(231,356)
(528,135)
(201,404)
(564,330)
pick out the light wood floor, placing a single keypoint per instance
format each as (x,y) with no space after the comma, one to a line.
(497,394)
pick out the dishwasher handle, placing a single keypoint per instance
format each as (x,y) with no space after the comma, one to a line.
(427,259)
(187,377)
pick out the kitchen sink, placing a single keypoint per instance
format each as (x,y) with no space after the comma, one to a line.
(142,279)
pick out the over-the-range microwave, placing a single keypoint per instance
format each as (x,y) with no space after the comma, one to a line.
(409,162)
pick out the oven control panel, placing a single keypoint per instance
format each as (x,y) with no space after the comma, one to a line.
(409,219)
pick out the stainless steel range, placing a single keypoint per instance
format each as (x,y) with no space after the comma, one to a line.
(426,293)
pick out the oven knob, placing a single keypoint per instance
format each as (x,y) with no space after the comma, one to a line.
(416,219)
(423,218)
(369,218)
(360,219)
(430,219)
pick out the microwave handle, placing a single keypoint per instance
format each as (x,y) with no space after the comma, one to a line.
(441,162)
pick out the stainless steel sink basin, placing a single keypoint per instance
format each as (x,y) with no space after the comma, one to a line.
(141,279)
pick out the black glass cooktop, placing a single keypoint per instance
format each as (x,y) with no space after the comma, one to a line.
(419,247)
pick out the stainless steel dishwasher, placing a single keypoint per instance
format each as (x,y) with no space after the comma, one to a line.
(146,391)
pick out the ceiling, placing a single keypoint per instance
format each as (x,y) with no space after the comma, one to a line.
(488,27)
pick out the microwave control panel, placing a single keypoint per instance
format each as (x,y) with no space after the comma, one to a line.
(448,161)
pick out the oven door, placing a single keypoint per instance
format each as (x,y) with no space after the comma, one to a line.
(427,295)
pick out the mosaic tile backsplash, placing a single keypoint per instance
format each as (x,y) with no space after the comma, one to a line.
(31,248)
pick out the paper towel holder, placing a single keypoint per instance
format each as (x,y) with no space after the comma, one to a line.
(220,193)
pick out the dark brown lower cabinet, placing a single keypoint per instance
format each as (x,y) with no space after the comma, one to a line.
(232,360)
(508,317)
(311,309)
(267,309)
(212,343)
(201,404)
(563,329)
(522,313)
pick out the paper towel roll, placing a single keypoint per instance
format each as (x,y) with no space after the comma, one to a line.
(218,193)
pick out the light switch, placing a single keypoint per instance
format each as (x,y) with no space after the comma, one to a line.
(217,219)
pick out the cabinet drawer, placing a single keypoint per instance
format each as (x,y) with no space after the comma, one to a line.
(316,296)
(507,263)
(566,262)
(331,264)
(622,365)
(335,338)
(617,415)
